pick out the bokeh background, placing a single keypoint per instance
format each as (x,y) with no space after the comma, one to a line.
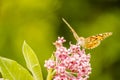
(39,23)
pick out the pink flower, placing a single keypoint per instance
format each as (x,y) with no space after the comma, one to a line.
(60,69)
(74,48)
(70,64)
(59,42)
(49,64)
(61,53)
(60,77)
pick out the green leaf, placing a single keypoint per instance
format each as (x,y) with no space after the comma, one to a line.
(32,62)
(11,70)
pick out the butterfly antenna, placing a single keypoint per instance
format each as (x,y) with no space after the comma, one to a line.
(73,31)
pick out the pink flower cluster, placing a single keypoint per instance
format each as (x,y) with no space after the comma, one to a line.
(69,64)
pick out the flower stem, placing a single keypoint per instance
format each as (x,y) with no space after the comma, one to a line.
(50,74)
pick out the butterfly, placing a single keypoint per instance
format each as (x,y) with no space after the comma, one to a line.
(89,42)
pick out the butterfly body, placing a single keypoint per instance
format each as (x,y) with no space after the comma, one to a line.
(89,42)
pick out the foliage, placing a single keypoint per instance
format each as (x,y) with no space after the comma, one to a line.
(11,70)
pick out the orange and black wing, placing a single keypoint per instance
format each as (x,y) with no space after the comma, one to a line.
(93,41)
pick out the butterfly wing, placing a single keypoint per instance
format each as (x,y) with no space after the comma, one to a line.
(93,41)
(90,44)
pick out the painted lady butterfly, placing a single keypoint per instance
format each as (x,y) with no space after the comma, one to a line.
(89,42)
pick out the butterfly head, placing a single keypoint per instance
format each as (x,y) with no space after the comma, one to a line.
(81,41)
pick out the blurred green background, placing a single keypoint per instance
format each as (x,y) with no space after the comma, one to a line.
(39,23)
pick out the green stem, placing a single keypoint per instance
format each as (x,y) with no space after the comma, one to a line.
(50,74)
